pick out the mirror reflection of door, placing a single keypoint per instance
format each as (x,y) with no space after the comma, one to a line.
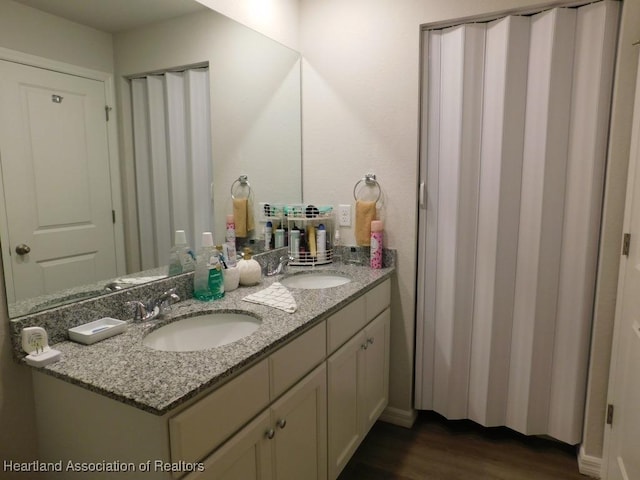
(58,206)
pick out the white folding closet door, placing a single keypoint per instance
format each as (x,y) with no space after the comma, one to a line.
(144,194)
(503,113)
(541,214)
(174,171)
(159,158)
(515,128)
(461,60)
(596,36)
(200,159)
(179,167)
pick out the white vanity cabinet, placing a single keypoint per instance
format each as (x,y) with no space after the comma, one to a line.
(297,414)
(287,441)
(358,379)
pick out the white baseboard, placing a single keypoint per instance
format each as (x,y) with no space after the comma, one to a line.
(589,465)
(396,416)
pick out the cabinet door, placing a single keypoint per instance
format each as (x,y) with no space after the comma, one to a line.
(245,456)
(299,419)
(375,395)
(344,399)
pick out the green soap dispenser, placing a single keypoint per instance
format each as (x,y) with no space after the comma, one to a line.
(208,282)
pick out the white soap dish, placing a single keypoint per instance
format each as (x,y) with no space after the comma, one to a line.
(97,330)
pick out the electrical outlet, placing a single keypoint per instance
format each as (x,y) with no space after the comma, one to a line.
(344,215)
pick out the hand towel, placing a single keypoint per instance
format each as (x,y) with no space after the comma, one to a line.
(365,214)
(276,296)
(243,216)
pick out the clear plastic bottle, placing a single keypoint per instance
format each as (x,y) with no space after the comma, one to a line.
(208,280)
(268,232)
(321,242)
(181,258)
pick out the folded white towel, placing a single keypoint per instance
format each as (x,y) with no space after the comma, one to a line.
(276,296)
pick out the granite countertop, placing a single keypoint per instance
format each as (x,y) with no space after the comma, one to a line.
(124,369)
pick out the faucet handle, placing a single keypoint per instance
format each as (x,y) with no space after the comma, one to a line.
(167,299)
(139,310)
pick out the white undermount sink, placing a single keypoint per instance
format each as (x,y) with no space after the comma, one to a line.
(202,332)
(314,280)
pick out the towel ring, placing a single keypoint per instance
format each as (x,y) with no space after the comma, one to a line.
(370,181)
(242,181)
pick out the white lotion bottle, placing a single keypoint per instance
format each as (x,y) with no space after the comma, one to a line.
(321,243)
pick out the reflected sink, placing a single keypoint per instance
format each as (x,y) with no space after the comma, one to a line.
(314,280)
(202,332)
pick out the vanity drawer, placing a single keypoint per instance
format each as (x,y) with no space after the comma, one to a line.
(342,325)
(296,359)
(378,299)
(200,428)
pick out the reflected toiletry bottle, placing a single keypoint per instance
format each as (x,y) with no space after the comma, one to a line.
(230,232)
(230,255)
(294,242)
(181,258)
(321,242)
(311,239)
(208,281)
(268,231)
(303,245)
(376,244)
(279,238)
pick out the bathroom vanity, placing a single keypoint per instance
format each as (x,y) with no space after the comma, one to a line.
(293,400)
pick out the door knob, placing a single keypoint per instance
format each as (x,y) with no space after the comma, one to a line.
(22,249)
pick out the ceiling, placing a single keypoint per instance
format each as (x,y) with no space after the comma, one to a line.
(115,15)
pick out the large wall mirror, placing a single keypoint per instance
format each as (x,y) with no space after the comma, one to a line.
(253,106)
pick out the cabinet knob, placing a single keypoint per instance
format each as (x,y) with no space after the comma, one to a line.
(370,341)
(270,433)
(364,346)
(281,423)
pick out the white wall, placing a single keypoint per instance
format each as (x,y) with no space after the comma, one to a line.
(360,114)
(277,19)
(37,33)
(30,31)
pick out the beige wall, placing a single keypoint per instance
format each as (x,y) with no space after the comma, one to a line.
(29,31)
(360,105)
(254,105)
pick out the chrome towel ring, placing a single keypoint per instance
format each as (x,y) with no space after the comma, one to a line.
(241,182)
(369,180)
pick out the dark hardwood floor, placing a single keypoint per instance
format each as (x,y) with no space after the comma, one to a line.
(437,449)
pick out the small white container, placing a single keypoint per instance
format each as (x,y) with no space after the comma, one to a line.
(231,277)
(97,330)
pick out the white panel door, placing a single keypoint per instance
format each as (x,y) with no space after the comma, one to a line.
(55,170)
(623,440)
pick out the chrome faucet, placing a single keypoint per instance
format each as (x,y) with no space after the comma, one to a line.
(282,266)
(153,308)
